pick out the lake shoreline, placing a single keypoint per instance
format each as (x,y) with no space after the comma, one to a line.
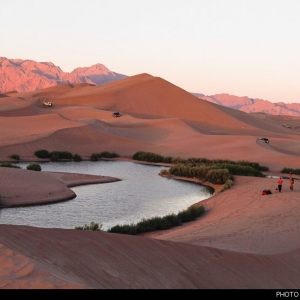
(33,197)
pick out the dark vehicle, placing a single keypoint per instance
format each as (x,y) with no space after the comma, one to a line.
(116,114)
(286,125)
(265,140)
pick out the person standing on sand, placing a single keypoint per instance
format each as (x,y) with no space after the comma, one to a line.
(279,182)
(291,183)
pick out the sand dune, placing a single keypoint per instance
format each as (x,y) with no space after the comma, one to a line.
(244,240)
(101,260)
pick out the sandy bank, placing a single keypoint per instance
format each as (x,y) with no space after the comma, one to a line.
(24,188)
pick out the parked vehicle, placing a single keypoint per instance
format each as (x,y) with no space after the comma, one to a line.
(47,103)
(116,114)
(265,140)
(286,125)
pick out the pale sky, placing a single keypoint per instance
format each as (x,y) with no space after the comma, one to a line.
(238,47)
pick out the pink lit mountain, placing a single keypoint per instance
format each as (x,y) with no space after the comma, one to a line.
(250,105)
(28,75)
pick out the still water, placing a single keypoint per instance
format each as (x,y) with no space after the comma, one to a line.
(141,194)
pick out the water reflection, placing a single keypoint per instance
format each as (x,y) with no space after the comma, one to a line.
(142,193)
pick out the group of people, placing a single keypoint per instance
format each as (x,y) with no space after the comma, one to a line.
(280,181)
(266,191)
(279,185)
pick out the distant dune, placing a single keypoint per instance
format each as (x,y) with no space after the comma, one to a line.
(243,241)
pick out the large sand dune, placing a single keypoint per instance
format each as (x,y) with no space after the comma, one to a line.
(244,240)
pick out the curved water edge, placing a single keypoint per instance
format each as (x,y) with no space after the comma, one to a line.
(141,194)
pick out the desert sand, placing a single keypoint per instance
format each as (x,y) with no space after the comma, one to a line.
(243,241)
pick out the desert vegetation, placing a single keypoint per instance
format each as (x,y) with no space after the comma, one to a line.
(104,154)
(60,155)
(9,165)
(152,224)
(77,157)
(42,153)
(160,223)
(151,157)
(54,155)
(93,227)
(217,171)
(288,170)
(34,167)
(66,155)
(31,166)
(15,156)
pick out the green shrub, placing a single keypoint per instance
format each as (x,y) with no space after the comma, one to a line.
(139,155)
(34,167)
(42,153)
(93,227)
(254,165)
(9,165)
(228,184)
(217,171)
(61,154)
(147,225)
(288,170)
(15,156)
(198,161)
(167,159)
(176,160)
(199,172)
(242,170)
(107,154)
(191,214)
(54,157)
(148,156)
(160,223)
(77,157)
(124,229)
(94,157)
(219,176)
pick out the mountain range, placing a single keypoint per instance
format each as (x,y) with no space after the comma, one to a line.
(28,75)
(250,105)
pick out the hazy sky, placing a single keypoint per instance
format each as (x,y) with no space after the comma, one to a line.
(239,47)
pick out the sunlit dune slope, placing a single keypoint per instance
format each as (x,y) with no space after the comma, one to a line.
(145,96)
(101,260)
(18,130)
(243,220)
(157,116)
